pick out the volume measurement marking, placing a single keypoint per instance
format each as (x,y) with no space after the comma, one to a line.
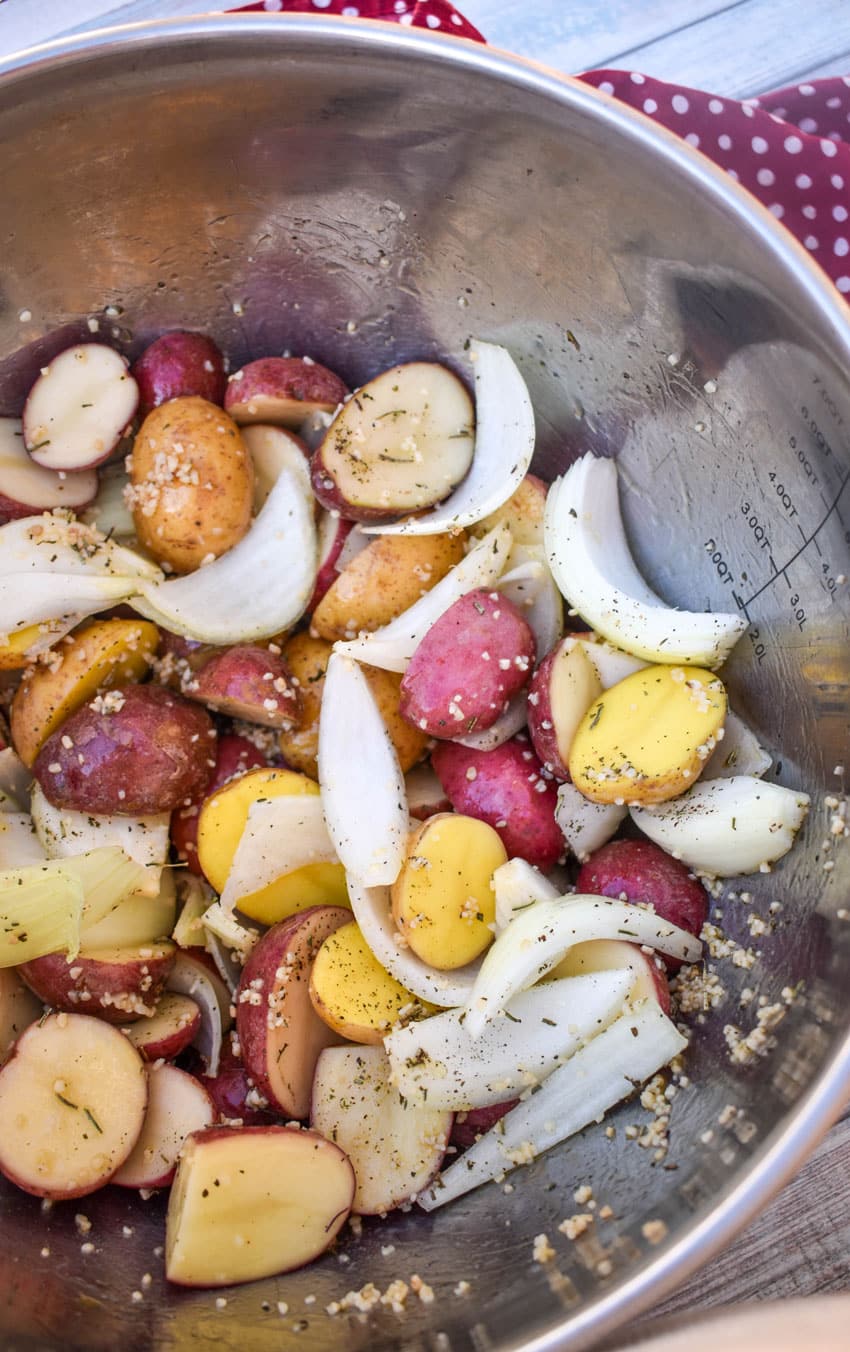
(807,540)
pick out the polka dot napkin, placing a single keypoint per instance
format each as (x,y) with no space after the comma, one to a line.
(788,148)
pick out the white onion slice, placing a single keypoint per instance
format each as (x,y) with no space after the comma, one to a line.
(189,976)
(435,1061)
(727,826)
(506,726)
(504,445)
(19,845)
(737,753)
(280,836)
(530,586)
(258,588)
(590,560)
(240,939)
(33,598)
(612,664)
(64,833)
(373,913)
(109,512)
(635,1046)
(586,826)
(393,646)
(536,940)
(15,778)
(516,886)
(363,792)
(354,543)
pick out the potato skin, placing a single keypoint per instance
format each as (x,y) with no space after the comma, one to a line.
(151,754)
(235,756)
(247,681)
(383,580)
(410,743)
(179,364)
(282,390)
(192,483)
(503,790)
(471,662)
(307,659)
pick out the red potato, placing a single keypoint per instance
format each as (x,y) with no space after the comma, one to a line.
(194,974)
(283,391)
(79,408)
(167,1032)
(179,364)
(249,682)
(233,1094)
(562,690)
(26,489)
(469,665)
(469,1126)
(640,871)
(280,1033)
(289,1194)
(507,788)
(273,450)
(425,794)
(72,1102)
(234,756)
(139,749)
(178,1104)
(114,984)
(398,445)
(395,1146)
(333,533)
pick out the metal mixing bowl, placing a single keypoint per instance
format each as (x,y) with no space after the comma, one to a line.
(367,194)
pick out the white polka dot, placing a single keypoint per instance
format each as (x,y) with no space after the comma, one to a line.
(833,102)
(637,78)
(650,106)
(803,181)
(843,284)
(679,103)
(810,212)
(399,6)
(321,4)
(606,87)
(351,12)
(839,213)
(725,142)
(406,19)
(692,139)
(766,177)
(834,135)
(811,242)
(272,6)
(747,110)
(432,21)
(808,124)
(793,145)
(715,106)
(779,113)
(837,181)
(733,175)
(777,209)
(759,145)
(457,21)
(829,149)
(841,248)
(806,89)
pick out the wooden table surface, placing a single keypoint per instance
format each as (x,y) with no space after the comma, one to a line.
(801,1243)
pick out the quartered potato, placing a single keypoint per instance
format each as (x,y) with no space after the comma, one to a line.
(352,992)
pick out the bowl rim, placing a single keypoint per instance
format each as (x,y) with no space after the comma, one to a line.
(787,1148)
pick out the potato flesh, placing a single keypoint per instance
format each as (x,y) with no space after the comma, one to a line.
(443,900)
(352,992)
(646,739)
(177,1106)
(72,1103)
(573,687)
(403,441)
(251,1203)
(103,654)
(220,826)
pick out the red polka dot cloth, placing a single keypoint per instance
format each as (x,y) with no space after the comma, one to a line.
(787,148)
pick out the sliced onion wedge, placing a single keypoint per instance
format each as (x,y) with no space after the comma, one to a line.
(64,833)
(435,1061)
(727,826)
(517,885)
(258,588)
(393,646)
(363,791)
(528,583)
(535,941)
(586,826)
(280,835)
(15,778)
(373,913)
(590,560)
(19,845)
(506,726)
(504,445)
(191,976)
(737,753)
(634,1047)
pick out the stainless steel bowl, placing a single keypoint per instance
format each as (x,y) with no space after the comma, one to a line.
(366,194)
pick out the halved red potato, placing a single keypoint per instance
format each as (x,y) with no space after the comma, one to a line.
(613,955)
(250,682)
(79,408)
(27,489)
(562,690)
(280,1033)
(114,984)
(234,1094)
(289,1194)
(400,444)
(333,533)
(272,450)
(395,1146)
(72,1102)
(18,1009)
(283,391)
(179,364)
(234,756)
(469,1126)
(178,1104)
(425,794)
(171,1028)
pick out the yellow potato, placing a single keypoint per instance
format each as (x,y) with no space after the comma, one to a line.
(352,992)
(647,738)
(382,580)
(523,513)
(307,659)
(15,647)
(410,743)
(192,483)
(100,655)
(443,900)
(220,826)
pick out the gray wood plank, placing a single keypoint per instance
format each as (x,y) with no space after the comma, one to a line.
(836,65)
